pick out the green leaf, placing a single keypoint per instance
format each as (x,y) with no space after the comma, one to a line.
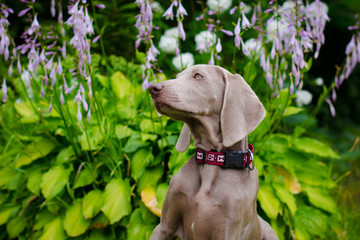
(138,229)
(3,197)
(92,203)
(147,136)
(117,200)
(92,139)
(100,221)
(134,143)
(34,151)
(313,146)
(148,197)
(53,206)
(54,181)
(279,228)
(282,100)
(320,199)
(262,129)
(122,131)
(139,161)
(161,191)
(120,85)
(277,143)
(65,155)
(7,211)
(259,164)
(176,161)
(290,110)
(103,80)
(148,125)
(250,72)
(268,200)
(42,218)
(7,175)
(285,196)
(26,112)
(85,178)
(34,181)
(15,226)
(150,177)
(310,222)
(140,56)
(74,222)
(53,230)
(103,234)
(167,141)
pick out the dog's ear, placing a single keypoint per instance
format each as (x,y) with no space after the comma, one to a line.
(184,139)
(241,111)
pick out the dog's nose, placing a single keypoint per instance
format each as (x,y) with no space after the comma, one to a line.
(155,88)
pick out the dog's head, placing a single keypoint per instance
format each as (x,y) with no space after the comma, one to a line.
(203,91)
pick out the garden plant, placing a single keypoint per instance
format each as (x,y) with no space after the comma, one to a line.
(85,155)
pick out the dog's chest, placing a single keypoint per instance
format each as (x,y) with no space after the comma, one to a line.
(218,201)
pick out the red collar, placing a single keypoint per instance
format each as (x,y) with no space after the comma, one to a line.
(226,159)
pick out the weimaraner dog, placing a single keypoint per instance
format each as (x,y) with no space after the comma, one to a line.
(205,201)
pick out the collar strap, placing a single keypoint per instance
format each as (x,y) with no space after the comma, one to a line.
(226,159)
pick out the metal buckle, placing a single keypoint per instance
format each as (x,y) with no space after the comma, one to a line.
(252,160)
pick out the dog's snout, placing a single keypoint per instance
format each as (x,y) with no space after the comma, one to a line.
(155,89)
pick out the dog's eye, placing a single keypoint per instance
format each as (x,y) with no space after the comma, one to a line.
(197,76)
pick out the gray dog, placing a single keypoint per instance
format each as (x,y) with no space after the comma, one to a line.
(213,196)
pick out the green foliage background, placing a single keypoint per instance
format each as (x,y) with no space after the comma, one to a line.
(106,179)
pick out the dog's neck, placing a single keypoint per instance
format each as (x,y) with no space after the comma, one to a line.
(207,134)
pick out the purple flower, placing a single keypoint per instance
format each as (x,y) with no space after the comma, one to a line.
(200,17)
(244,48)
(79,115)
(10,71)
(291,84)
(237,34)
(4,90)
(232,11)
(351,46)
(245,22)
(169,12)
(59,67)
(77,97)
(50,105)
(66,88)
(96,39)
(85,105)
(88,115)
(181,31)
(253,17)
(89,86)
(52,8)
(35,26)
(332,109)
(333,95)
(101,6)
(49,64)
(62,99)
(23,12)
(212,62)
(272,53)
(210,12)
(218,46)
(146,83)
(227,32)
(181,11)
